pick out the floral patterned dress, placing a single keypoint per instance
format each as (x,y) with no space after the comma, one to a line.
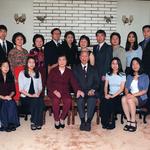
(17,59)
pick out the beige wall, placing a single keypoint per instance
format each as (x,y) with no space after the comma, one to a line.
(139,9)
(7,10)
(141,13)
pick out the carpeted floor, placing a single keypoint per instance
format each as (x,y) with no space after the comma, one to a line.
(71,138)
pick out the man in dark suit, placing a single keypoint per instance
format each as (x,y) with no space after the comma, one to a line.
(52,49)
(5,46)
(145,44)
(103,55)
(88,80)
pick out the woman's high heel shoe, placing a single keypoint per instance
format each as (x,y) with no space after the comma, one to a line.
(133,128)
(127,126)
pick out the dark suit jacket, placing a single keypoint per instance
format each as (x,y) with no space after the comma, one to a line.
(88,83)
(146,58)
(3,55)
(102,58)
(51,53)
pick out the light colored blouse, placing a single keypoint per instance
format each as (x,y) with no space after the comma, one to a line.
(115,81)
(24,83)
(134,86)
(133,53)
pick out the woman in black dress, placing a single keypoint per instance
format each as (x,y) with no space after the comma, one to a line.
(8,109)
(70,49)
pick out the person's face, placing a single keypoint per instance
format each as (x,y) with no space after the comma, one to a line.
(56,35)
(115,40)
(83,43)
(69,39)
(3,34)
(19,41)
(135,66)
(114,65)
(31,64)
(84,57)
(62,61)
(5,68)
(100,37)
(39,43)
(131,38)
(146,33)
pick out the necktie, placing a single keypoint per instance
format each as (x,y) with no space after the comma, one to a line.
(58,44)
(4,47)
(85,71)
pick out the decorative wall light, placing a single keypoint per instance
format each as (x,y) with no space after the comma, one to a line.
(108,19)
(41,18)
(127,20)
(20,19)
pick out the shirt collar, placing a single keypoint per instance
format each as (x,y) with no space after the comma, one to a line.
(1,41)
(84,65)
(56,42)
(101,44)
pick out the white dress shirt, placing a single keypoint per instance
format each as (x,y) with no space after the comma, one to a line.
(1,42)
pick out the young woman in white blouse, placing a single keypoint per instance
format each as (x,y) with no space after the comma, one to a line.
(30,87)
(135,93)
(113,92)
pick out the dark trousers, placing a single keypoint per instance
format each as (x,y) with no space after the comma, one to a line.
(91,102)
(35,106)
(101,90)
(9,114)
(66,101)
(108,108)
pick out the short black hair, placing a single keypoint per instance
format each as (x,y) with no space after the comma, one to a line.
(145,26)
(72,33)
(52,31)
(37,36)
(86,38)
(115,34)
(3,27)
(100,32)
(141,70)
(17,34)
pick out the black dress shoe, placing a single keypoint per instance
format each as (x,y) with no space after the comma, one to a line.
(2,129)
(12,127)
(82,126)
(38,127)
(62,125)
(57,126)
(88,127)
(110,126)
(8,129)
(33,127)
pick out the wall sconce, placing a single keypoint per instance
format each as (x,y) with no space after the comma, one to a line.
(41,18)
(126,20)
(108,19)
(20,19)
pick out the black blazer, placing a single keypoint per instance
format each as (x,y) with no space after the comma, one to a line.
(146,58)
(71,53)
(3,55)
(102,58)
(51,53)
(88,83)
